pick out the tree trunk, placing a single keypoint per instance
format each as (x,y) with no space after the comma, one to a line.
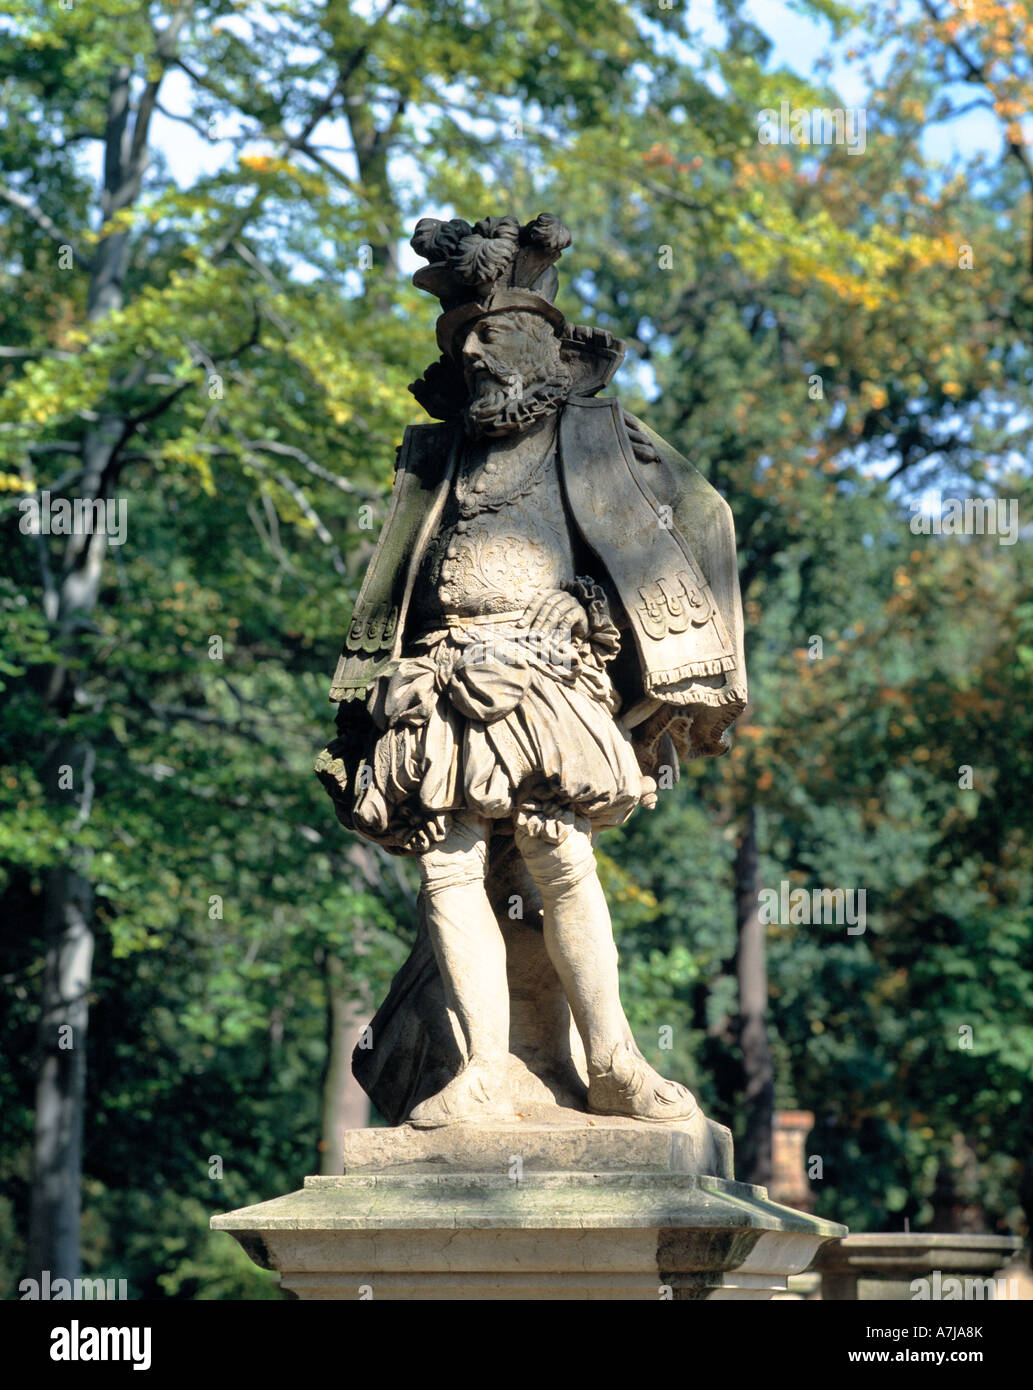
(64,1018)
(61,1087)
(345,1103)
(751,969)
(371,147)
(68,905)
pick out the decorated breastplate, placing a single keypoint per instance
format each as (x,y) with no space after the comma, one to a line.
(502,541)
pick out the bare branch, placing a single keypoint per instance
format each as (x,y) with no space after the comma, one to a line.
(45,223)
(317,158)
(17,354)
(202,716)
(159,407)
(312,516)
(273,446)
(79,135)
(270,538)
(303,504)
(252,260)
(201,131)
(165,52)
(300,142)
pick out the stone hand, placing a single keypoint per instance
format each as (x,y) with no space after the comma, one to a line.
(556,609)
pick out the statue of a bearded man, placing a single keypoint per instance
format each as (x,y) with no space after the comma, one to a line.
(550,619)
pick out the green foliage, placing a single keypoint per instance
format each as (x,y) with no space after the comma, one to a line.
(257,379)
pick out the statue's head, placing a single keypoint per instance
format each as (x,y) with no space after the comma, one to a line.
(513,371)
(508,355)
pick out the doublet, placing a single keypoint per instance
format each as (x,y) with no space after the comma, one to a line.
(501,542)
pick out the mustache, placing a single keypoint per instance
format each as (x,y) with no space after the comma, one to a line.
(495,387)
(494,368)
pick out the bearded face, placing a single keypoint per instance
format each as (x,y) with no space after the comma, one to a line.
(513,371)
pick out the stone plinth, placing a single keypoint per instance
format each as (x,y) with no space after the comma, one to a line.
(887,1267)
(603,1209)
(568,1142)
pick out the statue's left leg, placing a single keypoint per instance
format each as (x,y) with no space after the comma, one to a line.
(579,940)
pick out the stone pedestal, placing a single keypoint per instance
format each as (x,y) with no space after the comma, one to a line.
(916,1267)
(789,1181)
(586,1209)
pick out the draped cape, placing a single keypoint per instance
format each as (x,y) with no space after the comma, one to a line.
(661,541)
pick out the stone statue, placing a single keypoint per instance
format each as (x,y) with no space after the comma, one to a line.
(551,619)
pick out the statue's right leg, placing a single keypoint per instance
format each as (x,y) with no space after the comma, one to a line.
(471,956)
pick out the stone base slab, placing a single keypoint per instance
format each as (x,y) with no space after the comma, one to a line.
(542,1235)
(571,1142)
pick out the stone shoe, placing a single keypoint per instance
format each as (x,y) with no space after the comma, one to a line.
(631,1087)
(476,1094)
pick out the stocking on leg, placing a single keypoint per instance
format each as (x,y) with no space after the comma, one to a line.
(471,956)
(579,940)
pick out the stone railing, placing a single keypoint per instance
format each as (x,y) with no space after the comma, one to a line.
(907,1267)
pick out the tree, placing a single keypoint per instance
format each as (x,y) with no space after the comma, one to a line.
(228,357)
(202,356)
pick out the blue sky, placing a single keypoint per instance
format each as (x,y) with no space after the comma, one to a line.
(798,43)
